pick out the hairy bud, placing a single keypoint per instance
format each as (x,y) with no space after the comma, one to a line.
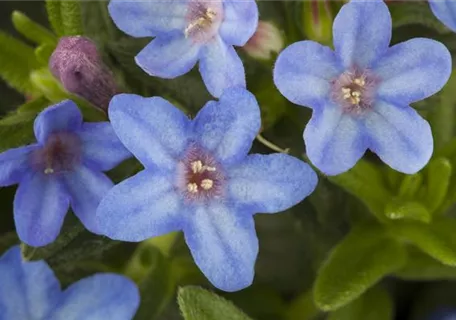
(79,67)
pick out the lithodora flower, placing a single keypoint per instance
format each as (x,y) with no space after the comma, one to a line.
(188,31)
(199,179)
(361,92)
(64,167)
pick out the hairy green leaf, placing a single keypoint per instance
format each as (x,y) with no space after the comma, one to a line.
(18,61)
(199,304)
(359,261)
(365,181)
(438,179)
(55,16)
(437,239)
(407,210)
(32,30)
(422,267)
(71,17)
(375,304)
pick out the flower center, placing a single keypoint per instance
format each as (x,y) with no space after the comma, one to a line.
(204,18)
(200,176)
(354,90)
(60,153)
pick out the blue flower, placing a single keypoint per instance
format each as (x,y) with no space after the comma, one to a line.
(360,93)
(445,11)
(30,291)
(199,179)
(62,168)
(443,314)
(187,31)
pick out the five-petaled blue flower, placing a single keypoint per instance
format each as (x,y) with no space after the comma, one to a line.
(62,168)
(445,11)
(187,31)
(360,94)
(30,291)
(199,179)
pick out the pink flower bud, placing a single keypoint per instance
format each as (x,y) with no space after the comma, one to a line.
(79,67)
(266,40)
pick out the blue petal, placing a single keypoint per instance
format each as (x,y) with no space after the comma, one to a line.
(86,188)
(271,183)
(362,32)
(399,136)
(13,165)
(445,11)
(40,206)
(99,297)
(152,129)
(224,245)
(303,72)
(334,141)
(240,21)
(413,70)
(101,148)
(169,56)
(228,128)
(143,206)
(221,67)
(28,290)
(64,116)
(148,18)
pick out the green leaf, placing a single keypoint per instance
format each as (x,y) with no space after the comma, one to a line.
(359,261)
(55,16)
(303,308)
(157,287)
(199,304)
(437,239)
(71,17)
(74,244)
(415,13)
(421,267)
(18,61)
(375,304)
(366,182)
(406,210)
(32,30)
(25,113)
(410,185)
(438,179)
(441,115)
(43,53)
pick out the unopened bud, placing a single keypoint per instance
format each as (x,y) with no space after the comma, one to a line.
(79,67)
(266,40)
(318,19)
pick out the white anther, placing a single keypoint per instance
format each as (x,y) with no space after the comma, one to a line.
(210,169)
(48,171)
(359,81)
(197,166)
(192,187)
(207,184)
(356,94)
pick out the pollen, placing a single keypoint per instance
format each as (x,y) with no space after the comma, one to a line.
(197,166)
(207,184)
(202,22)
(192,187)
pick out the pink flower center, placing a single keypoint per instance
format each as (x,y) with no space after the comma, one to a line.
(60,153)
(354,90)
(200,176)
(204,19)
